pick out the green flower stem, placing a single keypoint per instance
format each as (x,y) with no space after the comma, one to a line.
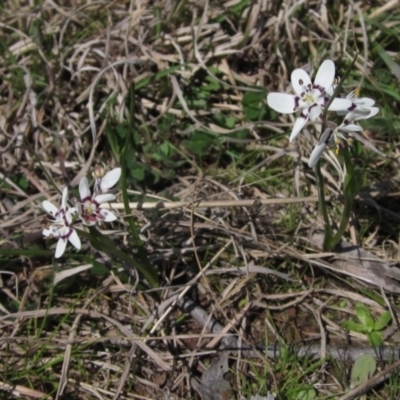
(351,189)
(324,208)
(132,225)
(348,206)
(329,240)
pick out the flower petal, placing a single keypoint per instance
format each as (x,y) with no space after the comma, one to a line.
(298,126)
(300,80)
(373,112)
(331,89)
(74,239)
(60,249)
(339,104)
(326,137)
(84,191)
(364,102)
(315,111)
(107,215)
(110,179)
(50,208)
(281,102)
(350,128)
(64,198)
(79,209)
(68,215)
(50,231)
(367,144)
(316,154)
(358,114)
(103,198)
(324,141)
(325,75)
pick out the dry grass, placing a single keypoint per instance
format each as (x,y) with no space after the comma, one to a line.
(230,228)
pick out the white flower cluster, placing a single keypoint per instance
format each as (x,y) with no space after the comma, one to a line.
(311,98)
(88,210)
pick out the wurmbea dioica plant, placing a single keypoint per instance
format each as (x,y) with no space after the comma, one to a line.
(312,99)
(88,210)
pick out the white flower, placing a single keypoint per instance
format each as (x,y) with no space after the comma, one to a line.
(310,98)
(361,108)
(332,138)
(104,183)
(89,210)
(61,225)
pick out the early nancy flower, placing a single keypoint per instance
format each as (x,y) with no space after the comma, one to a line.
(361,108)
(104,183)
(61,226)
(310,98)
(89,210)
(332,138)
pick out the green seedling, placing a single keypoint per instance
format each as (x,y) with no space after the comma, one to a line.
(368,325)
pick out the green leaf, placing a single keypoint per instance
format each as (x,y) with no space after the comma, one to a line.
(213,86)
(165,123)
(130,159)
(106,245)
(365,317)
(121,131)
(112,140)
(254,105)
(161,153)
(354,327)
(137,170)
(230,122)
(383,321)
(136,137)
(98,269)
(23,183)
(392,65)
(138,174)
(306,394)
(363,368)
(375,338)
(143,265)
(201,142)
(353,182)
(165,149)
(241,134)
(226,122)
(153,176)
